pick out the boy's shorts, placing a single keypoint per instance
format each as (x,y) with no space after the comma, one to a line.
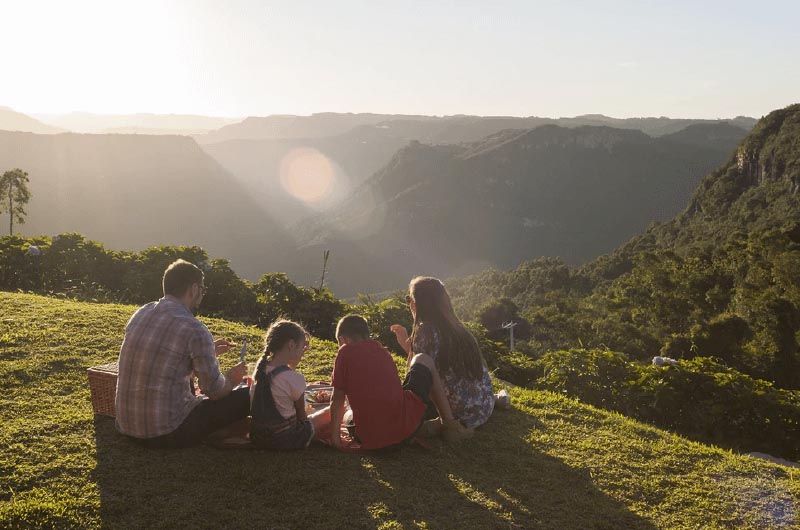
(419,380)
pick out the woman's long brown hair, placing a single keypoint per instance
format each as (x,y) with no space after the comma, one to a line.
(459,352)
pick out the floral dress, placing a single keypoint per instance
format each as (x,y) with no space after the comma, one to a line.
(472,401)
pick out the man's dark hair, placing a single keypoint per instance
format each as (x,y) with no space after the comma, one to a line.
(353,326)
(180,276)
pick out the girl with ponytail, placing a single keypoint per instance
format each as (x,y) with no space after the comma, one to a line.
(278,411)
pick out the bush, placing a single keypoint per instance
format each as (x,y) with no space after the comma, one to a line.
(317,310)
(381,316)
(599,377)
(71,265)
(699,398)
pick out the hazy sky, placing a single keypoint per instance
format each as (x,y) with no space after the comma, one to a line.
(555,58)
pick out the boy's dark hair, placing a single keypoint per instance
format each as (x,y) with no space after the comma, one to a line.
(179,276)
(353,326)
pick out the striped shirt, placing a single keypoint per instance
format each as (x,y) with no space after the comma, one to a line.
(164,343)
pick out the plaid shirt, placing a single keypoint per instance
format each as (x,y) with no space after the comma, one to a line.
(164,343)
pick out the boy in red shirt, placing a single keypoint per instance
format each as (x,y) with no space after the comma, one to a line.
(385,412)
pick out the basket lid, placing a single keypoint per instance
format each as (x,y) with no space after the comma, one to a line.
(112,368)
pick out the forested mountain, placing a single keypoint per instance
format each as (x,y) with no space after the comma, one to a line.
(135,191)
(260,147)
(548,191)
(720,279)
(721,136)
(11,120)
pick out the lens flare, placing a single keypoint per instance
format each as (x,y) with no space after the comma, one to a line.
(307,174)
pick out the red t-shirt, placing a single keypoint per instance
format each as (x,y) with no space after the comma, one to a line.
(384,413)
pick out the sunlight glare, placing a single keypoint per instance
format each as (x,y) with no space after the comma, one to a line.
(307,174)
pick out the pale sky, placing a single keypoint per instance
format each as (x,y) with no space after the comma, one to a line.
(712,59)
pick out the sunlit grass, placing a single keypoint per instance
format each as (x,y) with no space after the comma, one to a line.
(550,462)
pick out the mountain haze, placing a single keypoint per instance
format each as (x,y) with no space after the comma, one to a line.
(135,191)
(351,157)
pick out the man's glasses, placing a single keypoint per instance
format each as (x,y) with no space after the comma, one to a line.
(409,299)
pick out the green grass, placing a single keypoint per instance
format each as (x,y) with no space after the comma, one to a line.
(550,462)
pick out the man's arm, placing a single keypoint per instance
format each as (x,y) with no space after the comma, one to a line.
(337,412)
(206,367)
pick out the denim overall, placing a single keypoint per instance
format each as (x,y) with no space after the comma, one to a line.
(268,429)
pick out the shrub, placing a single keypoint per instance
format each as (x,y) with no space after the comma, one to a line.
(381,316)
(279,297)
(699,398)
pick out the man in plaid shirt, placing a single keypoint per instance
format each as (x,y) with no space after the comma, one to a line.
(164,346)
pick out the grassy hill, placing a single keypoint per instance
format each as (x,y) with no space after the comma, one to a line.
(550,462)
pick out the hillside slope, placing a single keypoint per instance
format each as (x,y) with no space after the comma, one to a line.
(550,462)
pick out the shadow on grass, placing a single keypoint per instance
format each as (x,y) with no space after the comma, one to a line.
(495,480)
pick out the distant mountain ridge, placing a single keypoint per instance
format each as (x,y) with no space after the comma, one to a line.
(432,129)
(11,120)
(294,127)
(140,123)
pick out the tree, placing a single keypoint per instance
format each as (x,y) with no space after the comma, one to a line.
(14,187)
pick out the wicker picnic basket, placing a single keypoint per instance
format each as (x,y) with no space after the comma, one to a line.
(103,386)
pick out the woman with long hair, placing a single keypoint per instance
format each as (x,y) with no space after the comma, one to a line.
(465,383)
